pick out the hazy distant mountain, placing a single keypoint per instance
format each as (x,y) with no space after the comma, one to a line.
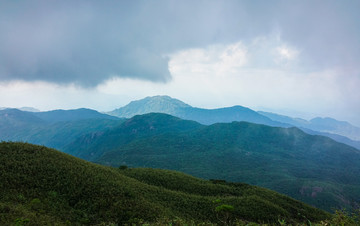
(314,169)
(55,128)
(336,137)
(16,117)
(157,104)
(331,125)
(30,109)
(72,115)
(325,125)
(15,124)
(168,105)
(339,131)
(298,122)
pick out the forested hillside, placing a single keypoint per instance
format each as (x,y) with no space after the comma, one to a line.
(314,169)
(41,186)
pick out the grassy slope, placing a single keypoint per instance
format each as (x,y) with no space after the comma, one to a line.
(44,186)
(313,169)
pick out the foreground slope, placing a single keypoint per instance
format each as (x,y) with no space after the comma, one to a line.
(41,186)
(314,169)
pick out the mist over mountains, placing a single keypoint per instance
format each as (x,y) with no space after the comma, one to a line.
(325,125)
(338,130)
(314,169)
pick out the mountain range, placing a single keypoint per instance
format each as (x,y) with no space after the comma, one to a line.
(311,168)
(324,125)
(171,106)
(29,109)
(340,131)
(53,128)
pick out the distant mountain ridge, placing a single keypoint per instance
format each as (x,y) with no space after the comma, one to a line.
(29,109)
(71,115)
(324,125)
(156,104)
(14,124)
(175,107)
(340,131)
(53,128)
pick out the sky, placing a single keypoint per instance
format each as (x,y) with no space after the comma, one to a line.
(299,58)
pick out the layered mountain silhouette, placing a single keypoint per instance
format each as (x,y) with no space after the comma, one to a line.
(314,169)
(340,131)
(168,105)
(29,109)
(324,125)
(53,128)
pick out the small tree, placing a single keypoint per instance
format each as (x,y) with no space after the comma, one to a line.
(224,213)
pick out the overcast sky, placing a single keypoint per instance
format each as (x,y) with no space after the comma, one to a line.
(300,58)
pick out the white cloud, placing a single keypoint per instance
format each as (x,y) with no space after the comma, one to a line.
(214,60)
(287,53)
(215,76)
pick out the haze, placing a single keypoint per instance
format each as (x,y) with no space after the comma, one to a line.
(300,58)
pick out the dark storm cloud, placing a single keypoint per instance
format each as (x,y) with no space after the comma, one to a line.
(87,42)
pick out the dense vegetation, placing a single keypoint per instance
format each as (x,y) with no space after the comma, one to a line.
(41,186)
(313,169)
(93,145)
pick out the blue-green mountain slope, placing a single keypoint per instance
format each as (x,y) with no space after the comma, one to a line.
(314,169)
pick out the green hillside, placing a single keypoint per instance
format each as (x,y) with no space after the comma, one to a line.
(71,115)
(313,169)
(41,186)
(16,124)
(50,129)
(92,146)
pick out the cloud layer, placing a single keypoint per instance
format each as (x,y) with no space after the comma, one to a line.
(299,55)
(88,42)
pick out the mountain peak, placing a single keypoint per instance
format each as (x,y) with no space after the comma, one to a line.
(163,100)
(154,104)
(175,107)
